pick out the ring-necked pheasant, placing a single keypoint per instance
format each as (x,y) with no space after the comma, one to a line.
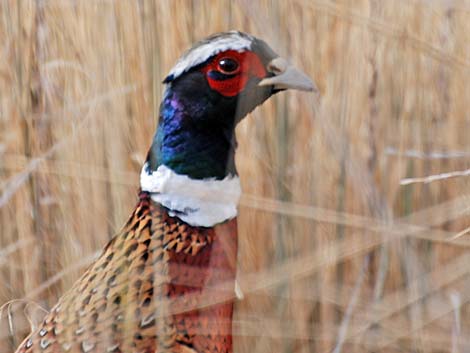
(165,283)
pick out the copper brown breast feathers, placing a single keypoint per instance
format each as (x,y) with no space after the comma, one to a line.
(152,289)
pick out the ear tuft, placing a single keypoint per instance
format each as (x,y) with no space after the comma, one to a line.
(169,78)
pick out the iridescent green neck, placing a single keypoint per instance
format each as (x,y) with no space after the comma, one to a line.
(194,138)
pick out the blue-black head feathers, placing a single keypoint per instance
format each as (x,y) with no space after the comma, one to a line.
(212,87)
(195,134)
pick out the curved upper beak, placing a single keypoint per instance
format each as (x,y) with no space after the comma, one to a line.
(287,76)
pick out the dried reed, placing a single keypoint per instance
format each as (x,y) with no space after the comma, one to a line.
(336,255)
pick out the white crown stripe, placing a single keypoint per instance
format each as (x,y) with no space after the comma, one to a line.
(204,50)
(202,203)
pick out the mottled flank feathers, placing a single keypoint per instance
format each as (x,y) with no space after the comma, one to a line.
(148,292)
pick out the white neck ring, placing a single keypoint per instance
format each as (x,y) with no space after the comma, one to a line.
(202,203)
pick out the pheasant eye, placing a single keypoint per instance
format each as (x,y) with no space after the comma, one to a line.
(228,66)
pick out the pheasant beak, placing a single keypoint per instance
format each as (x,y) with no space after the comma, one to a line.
(287,76)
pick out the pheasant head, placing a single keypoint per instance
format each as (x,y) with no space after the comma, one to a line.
(190,167)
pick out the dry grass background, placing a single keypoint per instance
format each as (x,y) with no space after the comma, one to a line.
(336,255)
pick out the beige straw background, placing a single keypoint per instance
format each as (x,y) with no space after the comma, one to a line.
(336,255)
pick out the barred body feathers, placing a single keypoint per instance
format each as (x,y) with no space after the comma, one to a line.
(130,300)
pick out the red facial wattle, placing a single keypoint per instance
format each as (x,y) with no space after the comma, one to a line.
(231,83)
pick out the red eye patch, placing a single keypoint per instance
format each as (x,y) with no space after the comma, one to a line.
(230,70)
